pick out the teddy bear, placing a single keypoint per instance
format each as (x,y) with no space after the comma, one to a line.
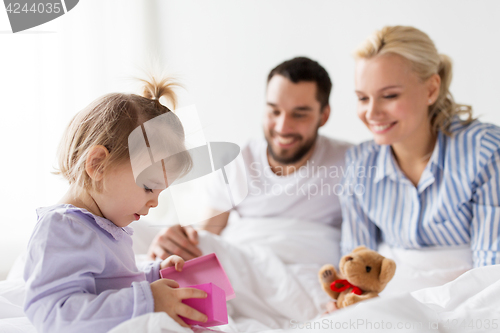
(365,274)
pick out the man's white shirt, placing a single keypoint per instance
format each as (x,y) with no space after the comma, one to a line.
(310,193)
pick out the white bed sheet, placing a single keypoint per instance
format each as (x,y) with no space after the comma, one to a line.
(277,289)
(470,303)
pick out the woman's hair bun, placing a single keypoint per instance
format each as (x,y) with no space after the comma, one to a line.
(154,88)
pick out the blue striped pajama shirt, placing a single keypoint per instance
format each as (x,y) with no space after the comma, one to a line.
(456,202)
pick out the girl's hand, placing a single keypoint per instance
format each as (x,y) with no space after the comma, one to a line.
(173,260)
(168,298)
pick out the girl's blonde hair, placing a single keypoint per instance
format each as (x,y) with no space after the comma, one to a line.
(415,46)
(108,121)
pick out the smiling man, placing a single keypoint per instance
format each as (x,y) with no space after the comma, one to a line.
(294,173)
(296,108)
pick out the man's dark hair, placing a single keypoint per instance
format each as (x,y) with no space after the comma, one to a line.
(304,69)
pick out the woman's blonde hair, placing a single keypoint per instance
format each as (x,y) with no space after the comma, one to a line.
(415,46)
(108,121)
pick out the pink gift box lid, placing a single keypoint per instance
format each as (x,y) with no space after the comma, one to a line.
(201,270)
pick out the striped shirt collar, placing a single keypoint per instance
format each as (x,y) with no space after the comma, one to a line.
(388,167)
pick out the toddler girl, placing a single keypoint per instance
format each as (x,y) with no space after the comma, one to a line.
(80,271)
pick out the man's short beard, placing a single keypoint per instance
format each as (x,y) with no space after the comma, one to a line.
(297,156)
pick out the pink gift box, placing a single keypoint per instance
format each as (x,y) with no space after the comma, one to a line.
(214,306)
(205,273)
(204,269)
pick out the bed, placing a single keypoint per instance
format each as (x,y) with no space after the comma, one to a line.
(276,287)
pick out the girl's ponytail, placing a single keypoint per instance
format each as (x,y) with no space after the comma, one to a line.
(155,88)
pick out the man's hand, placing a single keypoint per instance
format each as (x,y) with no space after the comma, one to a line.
(176,240)
(168,298)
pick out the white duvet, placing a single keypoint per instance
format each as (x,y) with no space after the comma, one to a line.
(273,264)
(470,303)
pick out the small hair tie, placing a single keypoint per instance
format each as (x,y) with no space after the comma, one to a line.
(157,103)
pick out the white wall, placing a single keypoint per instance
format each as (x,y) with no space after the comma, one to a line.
(222,52)
(225,49)
(47,74)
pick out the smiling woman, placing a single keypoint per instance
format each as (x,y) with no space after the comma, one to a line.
(437,174)
(394,104)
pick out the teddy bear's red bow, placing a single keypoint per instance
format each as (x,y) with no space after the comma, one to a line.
(344,285)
